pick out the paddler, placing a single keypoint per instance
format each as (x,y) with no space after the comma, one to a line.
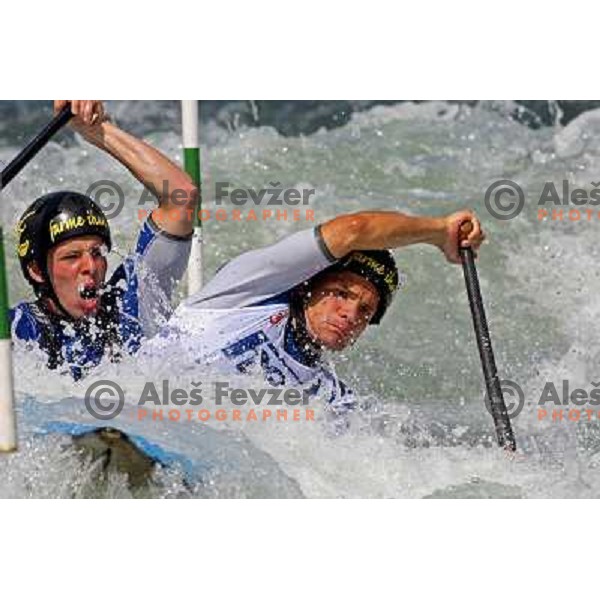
(79,315)
(281,308)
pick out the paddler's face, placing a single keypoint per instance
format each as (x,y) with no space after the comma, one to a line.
(340,308)
(77,269)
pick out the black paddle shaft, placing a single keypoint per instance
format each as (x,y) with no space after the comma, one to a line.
(40,140)
(504,432)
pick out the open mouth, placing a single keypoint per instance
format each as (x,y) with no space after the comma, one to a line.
(88,292)
(90,298)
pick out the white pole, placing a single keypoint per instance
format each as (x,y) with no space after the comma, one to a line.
(8,430)
(191,160)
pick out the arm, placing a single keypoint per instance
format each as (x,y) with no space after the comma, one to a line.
(379,230)
(258,275)
(262,274)
(146,164)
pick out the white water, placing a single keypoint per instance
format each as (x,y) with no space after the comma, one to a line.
(428,430)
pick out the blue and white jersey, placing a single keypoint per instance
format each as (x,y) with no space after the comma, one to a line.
(135,303)
(239,321)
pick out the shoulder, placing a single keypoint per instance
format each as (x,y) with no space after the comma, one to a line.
(150,232)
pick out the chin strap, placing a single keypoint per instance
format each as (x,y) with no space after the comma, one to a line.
(45,291)
(297,329)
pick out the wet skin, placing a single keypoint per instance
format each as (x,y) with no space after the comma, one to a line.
(339,309)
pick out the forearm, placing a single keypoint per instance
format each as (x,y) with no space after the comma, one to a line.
(379,230)
(171,185)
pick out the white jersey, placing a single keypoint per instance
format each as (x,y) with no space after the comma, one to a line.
(239,321)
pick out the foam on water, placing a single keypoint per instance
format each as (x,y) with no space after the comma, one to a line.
(426,431)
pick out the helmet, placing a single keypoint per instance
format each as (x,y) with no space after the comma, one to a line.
(52,219)
(376,266)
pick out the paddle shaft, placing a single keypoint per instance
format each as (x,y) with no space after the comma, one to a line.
(504,432)
(36,144)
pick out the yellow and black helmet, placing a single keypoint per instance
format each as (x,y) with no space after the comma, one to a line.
(52,219)
(378,267)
